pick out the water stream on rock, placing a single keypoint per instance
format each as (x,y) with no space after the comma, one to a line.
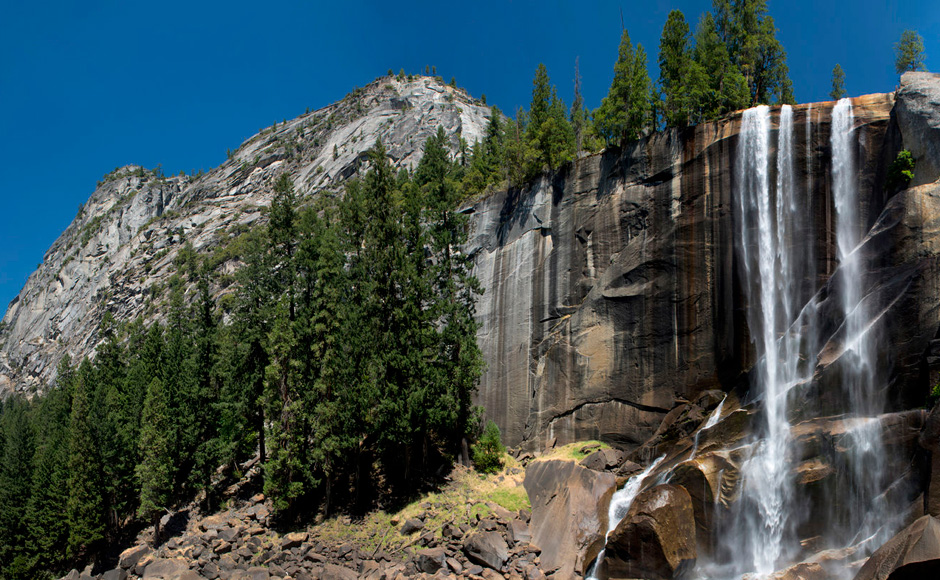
(620,504)
(711,422)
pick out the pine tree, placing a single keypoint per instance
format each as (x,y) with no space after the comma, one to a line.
(719,85)
(15,486)
(85,507)
(624,113)
(751,39)
(246,354)
(155,470)
(838,83)
(675,61)
(521,158)
(578,117)
(324,312)
(208,452)
(116,412)
(548,131)
(46,510)
(457,361)
(909,52)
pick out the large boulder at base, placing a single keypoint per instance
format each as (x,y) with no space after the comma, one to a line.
(569,513)
(656,539)
(486,549)
(916,548)
(115,574)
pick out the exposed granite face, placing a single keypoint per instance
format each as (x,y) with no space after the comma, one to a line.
(123,244)
(611,287)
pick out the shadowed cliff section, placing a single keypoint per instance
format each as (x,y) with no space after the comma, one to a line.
(612,290)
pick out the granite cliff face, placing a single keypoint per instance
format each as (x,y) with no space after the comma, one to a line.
(612,291)
(123,244)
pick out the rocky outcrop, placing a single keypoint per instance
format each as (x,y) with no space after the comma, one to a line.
(121,249)
(912,553)
(656,539)
(930,440)
(569,513)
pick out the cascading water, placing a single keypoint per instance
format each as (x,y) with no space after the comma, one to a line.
(711,422)
(859,368)
(620,504)
(771,271)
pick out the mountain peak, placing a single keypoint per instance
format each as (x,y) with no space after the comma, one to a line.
(120,249)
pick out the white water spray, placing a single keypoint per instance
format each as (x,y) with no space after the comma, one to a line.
(620,504)
(773,267)
(711,422)
(866,448)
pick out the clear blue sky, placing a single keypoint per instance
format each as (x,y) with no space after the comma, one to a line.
(88,85)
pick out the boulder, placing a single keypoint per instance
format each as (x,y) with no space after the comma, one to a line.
(911,553)
(115,574)
(569,513)
(293,539)
(486,549)
(656,539)
(129,557)
(334,572)
(430,560)
(370,570)
(166,569)
(411,526)
(702,478)
(519,531)
(802,571)
(603,459)
(257,573)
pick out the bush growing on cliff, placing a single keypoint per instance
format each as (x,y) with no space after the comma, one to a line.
(901,171)
(488,450)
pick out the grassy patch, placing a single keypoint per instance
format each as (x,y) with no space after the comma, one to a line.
(467,496)
(574,451)
(513,499)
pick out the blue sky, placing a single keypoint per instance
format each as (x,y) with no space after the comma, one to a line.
(86,86)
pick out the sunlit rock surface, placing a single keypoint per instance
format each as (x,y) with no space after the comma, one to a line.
(123,244)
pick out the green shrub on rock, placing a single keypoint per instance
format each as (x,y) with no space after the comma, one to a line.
(488,451)
(901,171)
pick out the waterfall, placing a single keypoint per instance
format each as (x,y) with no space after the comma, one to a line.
(620,504)
(775,237)
(774,263)
(869,511)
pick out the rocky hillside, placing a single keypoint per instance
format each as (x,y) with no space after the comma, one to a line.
(122,246)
